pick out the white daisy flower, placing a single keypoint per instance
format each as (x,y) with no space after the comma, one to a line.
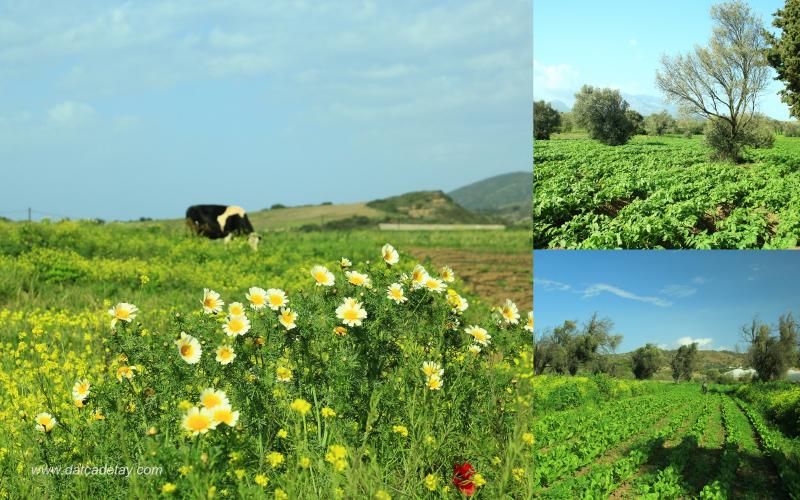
(211,301)
(395,292)
(322,277)
(189,348)
(351,312)
(257,297)
(390,255)
(122,312)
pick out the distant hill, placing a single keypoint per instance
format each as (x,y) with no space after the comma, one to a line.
(428,207)
(707,360)
(507,196)
(432,207)
(559,106)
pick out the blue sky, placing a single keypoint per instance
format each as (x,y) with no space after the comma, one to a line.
(619,44)
(120,110)
(667,297)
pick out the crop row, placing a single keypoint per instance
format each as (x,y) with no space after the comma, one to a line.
(608,430)
(783,452)
(603,478)
(669,481)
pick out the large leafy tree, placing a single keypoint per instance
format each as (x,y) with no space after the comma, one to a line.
(724,80)
(684,362)
(771,354)
(603,113)
(567,347)
(645,361)
(784,53)
(546,120)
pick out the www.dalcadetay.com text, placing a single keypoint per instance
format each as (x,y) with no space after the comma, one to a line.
(91,470)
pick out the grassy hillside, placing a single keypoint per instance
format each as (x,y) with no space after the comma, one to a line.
(707,360)
(507,195)
(426,206)
(416,207)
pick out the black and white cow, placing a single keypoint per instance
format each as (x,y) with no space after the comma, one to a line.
(221,221)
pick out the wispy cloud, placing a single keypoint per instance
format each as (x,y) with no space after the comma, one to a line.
(699,280)
(557,77)
(701,342)
(70,113)
(551,285)
(679,291)
(599,288)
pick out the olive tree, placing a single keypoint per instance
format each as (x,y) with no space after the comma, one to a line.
(546,120)
(723,81)
(645,361)
(603,113)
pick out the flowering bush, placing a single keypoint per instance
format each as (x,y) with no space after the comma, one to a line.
(366,379)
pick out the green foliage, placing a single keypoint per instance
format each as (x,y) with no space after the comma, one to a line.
(567,348)
(660,123)
(779,401)
(771,355)
(784,53)
(664,194)
(546,120)
(603,113)
(724,80)
(684,362)
(54,330)
(637,120)
(646,361)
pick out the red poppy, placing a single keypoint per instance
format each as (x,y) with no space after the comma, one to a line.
(462,478)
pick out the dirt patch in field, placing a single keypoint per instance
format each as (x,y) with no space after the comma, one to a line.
(491,276)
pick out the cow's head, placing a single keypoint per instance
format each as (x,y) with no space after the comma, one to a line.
(253,240)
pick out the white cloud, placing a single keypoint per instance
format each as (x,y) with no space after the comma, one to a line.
(559,77)
(690,340)
(246,64)
(70,113)
(599,288)
(679,291)
(551,285)
(699,280)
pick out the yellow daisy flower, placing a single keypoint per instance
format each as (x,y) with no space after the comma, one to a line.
(45,422)
(430,368)
(529,323)
(418,276)
(283,374)
(435,382)
(301,406)
(328,412)
(447,274)
(275,459)
(125,372)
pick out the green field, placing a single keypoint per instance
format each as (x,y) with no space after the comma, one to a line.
(664,192)
(355,417)
(598,437)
